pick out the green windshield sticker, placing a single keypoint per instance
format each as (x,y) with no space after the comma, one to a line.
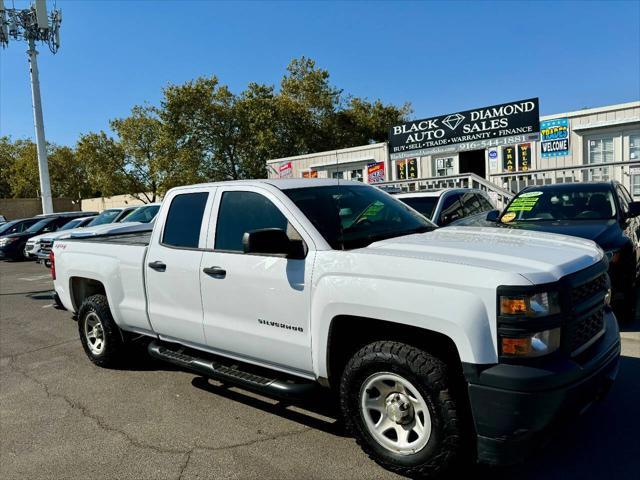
(530,194)
(523,204)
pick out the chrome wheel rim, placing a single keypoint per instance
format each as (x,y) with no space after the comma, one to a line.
(395,413)
(94,333)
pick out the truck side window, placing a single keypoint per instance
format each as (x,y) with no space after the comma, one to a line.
(242,212)
(182,227)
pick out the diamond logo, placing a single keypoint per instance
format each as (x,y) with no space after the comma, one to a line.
(452,121)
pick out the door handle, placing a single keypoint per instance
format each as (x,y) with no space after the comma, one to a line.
(215,272)
(158,266)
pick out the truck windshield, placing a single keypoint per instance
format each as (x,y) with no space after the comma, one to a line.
(581,202)
(354,216)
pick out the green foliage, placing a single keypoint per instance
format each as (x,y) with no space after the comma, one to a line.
(19,175)
(201,131)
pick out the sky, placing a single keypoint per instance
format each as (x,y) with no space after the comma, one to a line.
(442,57)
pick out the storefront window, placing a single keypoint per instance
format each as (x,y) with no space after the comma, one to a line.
(443,166)
(600,151)
(635,185)
(406,169)
(337,175)
(357,175)
(634,156)
(634,147)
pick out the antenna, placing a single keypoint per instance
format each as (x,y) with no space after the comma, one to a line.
(33,25)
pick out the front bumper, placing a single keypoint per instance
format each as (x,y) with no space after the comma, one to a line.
(515,406)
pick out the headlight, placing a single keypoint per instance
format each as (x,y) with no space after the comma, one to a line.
(613,255)
(531,345)
(6,241)
(530,305)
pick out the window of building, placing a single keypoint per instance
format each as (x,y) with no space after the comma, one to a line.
(184,220)
(634,156)
(443,166)
(337,175)
(406,168)
(634,147)
(635,185)
(600,151)
(357,175)
(242,212)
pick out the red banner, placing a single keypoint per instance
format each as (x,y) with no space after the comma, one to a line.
(375,172)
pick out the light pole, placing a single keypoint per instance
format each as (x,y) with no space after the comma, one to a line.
(33,24)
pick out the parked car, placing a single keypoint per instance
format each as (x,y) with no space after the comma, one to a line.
(32,246)
(12,245)
(600,211)
(440,343)
(17,226)
(140,215)
(111,220)
(447,206)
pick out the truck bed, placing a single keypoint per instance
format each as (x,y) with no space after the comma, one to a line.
(137,238)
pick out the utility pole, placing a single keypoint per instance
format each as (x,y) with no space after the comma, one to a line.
(33,24)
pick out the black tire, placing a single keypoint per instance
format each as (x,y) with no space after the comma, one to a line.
(428,375)
(113,352)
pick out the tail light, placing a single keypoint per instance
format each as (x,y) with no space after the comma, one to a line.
(52,261)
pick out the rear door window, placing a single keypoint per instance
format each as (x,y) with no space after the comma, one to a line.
(184,220)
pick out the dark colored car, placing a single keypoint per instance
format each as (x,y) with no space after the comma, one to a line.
(600,211)
(450,205)
(12,244)
(17,226)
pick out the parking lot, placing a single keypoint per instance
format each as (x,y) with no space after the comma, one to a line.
(62,417)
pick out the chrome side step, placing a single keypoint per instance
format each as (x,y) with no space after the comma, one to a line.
(285,388)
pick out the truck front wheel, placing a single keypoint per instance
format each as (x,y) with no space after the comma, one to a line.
(396,401)
(99,334)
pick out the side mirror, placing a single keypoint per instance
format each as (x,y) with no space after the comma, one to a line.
(634,209)
(272,241)
(493,215)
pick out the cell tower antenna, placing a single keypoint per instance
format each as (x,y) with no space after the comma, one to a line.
(33,25)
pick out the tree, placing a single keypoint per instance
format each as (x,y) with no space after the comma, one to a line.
(213,134)
(21,177)
(132,162)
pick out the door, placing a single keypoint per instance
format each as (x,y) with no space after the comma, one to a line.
(256,307)
(172,266)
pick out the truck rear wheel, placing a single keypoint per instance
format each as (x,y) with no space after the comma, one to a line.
(100,336)
(397,403)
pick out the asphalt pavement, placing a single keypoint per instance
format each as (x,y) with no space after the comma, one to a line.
(62,417)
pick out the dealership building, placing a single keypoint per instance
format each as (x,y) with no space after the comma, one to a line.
(500,149)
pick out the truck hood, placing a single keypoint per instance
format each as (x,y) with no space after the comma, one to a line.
(605,233)
(539,257)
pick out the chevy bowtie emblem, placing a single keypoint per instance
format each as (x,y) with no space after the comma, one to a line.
(452,121)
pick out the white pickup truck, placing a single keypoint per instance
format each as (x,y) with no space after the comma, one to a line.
(439,343)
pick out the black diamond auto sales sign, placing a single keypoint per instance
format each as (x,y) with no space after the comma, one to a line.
(506,124)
